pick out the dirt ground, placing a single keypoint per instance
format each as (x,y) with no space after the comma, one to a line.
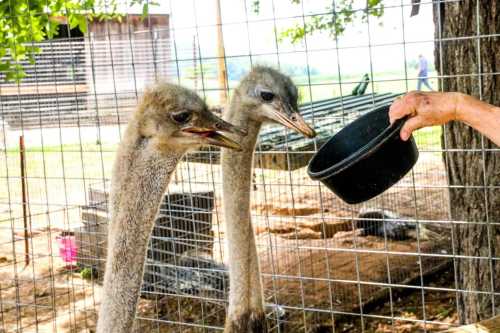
(36,298)
(439,307)
(320,270)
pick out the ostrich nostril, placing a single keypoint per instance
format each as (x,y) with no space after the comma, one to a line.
(218,126)
(294,117)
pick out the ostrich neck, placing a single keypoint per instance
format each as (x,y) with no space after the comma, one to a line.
(237,167)
(140,177)
(236,184)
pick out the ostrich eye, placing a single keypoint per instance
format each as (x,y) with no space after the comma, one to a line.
(266,96)
(181,117)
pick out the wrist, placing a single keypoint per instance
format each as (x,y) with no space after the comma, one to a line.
(460,107)
(472,111)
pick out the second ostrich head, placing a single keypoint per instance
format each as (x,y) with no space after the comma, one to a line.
(176,119)
(266,95)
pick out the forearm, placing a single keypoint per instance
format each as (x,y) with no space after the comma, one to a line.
(481,116)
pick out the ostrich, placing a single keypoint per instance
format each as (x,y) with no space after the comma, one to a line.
(169,120)
(264,95)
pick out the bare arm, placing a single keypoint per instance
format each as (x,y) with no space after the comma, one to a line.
(436,108)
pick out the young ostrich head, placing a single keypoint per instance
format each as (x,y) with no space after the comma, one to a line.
(267,95)
(176,119)
(169,121)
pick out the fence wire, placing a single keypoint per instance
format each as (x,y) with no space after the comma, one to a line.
(387,265)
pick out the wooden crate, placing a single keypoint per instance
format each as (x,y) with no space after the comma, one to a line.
(92,240)
(184,224)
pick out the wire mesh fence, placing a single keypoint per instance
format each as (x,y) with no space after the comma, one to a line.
(390,264)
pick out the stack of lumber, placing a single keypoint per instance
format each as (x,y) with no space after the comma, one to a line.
(183,229)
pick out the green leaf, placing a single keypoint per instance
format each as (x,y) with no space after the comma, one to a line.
(255,5)
(82,24)
(145,10)
(342,15)
(73,21)
(52,29)
(4,66)
(15,75)
(9,76)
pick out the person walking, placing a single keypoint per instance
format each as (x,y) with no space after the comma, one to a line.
(423,73)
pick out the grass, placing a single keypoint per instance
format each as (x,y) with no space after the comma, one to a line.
(428,138)
(84,147)
(56,176)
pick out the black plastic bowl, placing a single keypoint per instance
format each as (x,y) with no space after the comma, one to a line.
(365,158)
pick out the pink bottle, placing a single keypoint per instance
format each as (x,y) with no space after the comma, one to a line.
(67,249)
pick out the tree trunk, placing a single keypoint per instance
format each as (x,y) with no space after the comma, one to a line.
(461,60)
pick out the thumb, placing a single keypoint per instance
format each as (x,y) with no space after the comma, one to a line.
(409,126)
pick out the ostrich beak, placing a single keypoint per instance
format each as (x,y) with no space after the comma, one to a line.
(217,139)
(211,136)
(209,132)
(218,124)
(288,117)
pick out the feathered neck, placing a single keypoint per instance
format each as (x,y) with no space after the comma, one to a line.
(141,175)
(236,189)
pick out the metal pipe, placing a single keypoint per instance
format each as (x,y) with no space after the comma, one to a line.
(25,203)
(221,55)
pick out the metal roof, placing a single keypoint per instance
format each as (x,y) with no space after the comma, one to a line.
(327,116)
(283,149)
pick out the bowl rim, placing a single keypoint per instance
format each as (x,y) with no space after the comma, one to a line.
(369,148)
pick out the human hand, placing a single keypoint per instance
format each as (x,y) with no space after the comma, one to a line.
(424,109)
